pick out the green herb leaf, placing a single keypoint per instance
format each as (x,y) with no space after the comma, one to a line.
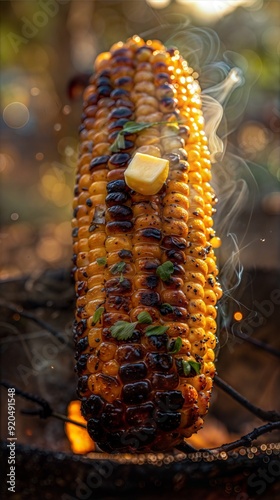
(155,330)
(190,365)
(176,346)
(168,308)
(186,367)
(122,330)
(121,278)
(97,315)
(195,366)
(144,317)
(101,261)
(133,128)
(165,270)
(119,143)
(119,267)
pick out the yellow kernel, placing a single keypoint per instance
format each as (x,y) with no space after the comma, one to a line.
(215,242)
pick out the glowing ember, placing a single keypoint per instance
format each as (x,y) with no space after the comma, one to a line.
(213,434)
(79,439)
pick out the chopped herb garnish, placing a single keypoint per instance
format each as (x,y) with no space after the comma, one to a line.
(166,308)
(133,128)
(186,367)
(119,267)
(189,365)
(97,315)
(155,330)
(122,330)
(101,261)
(144,317)
(121,278)
(165,270)
(195,366)
(176,346)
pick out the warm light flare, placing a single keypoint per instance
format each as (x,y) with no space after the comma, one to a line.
(79,439)
(213,434)
(238,316)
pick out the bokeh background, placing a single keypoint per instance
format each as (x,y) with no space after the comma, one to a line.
(47,53)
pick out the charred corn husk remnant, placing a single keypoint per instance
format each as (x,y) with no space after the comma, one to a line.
(144,266)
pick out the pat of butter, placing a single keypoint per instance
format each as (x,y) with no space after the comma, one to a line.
(146,174)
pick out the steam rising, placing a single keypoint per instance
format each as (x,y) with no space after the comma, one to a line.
(213,100)
(224,98)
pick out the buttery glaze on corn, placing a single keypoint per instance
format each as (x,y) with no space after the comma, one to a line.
(135,396)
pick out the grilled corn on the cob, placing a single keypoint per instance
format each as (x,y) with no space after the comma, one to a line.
(144,266)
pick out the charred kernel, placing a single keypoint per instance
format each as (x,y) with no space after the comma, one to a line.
(80,327)
(81,345)
(165,381)
(165,309)
(99,161)
(92,100)
(112,416)
(116,186)
(167,104)
(75,232)
(165,90)
(132,372)
(159,67)
(124,103)
(103,80)
(116,198)
(115,286)
(159,342)
(178,270)
(89,202)
(137,415)
(169,400)
(95,430)
(153,234)
(104,91)
(178,256)
(151,281)
(119,226)
(113,135)
(81,288)
(82,387)
(141,437)
(120,212)
(151,265)
(125,254)
(119,160)
(149,299)
(129,353)
(128,145)
(119,93)
(161,78)
(92,407)
(174,242)
(174,159)
(136,393)
(121,113)
(144,48)
(117,124)
(159,362)
(124,81)
(168,421)
(81,364)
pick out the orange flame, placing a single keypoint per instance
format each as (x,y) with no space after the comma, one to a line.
(79,439)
